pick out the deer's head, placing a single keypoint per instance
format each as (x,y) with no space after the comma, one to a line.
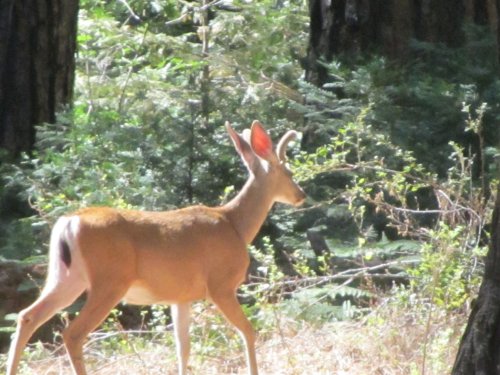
(268,164)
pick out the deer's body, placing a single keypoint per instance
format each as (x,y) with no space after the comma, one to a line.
(163,257)
(172,257)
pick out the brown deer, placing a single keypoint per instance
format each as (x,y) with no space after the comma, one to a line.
(173,257)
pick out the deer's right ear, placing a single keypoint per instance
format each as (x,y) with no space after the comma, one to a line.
(241,146)
(261,143)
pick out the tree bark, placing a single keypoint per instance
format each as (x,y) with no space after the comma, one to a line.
(479,352)
(350,27)
(37,63)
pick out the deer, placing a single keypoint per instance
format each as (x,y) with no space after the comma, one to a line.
(171,257)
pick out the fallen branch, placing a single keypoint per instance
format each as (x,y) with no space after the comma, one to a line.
(316,281)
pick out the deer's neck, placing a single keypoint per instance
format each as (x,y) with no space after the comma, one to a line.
(248,209)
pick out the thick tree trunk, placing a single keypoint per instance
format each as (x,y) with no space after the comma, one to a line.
(37,59)
(349,27)
(479,352)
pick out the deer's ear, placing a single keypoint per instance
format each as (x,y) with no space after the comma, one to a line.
(281,148)
(260,141)
(241,146)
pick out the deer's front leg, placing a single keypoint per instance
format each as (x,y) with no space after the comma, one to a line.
(180,318)
(229,306)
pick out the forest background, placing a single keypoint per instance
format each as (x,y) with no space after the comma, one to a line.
(375,275)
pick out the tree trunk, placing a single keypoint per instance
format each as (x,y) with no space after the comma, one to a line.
(479,352)
(350,27)
(37,61)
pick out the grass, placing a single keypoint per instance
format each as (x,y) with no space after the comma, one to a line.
(389,341)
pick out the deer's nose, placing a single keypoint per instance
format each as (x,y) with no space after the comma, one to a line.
(301,197)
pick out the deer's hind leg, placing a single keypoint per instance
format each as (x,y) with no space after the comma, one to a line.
(110,269)
(55,297)
(100,301)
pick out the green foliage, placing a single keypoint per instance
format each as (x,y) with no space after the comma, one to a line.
(309,298)
(319,305)
(450,269)
(140,133)
(18,241)
(378,173)
(418,105)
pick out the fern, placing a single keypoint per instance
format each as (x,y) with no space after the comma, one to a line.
(328,303)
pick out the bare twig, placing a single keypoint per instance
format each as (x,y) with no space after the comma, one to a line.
(130,70)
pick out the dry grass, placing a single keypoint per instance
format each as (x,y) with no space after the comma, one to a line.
(385,343)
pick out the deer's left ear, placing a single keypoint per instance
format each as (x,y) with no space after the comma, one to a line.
(260,141)
(241,146)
